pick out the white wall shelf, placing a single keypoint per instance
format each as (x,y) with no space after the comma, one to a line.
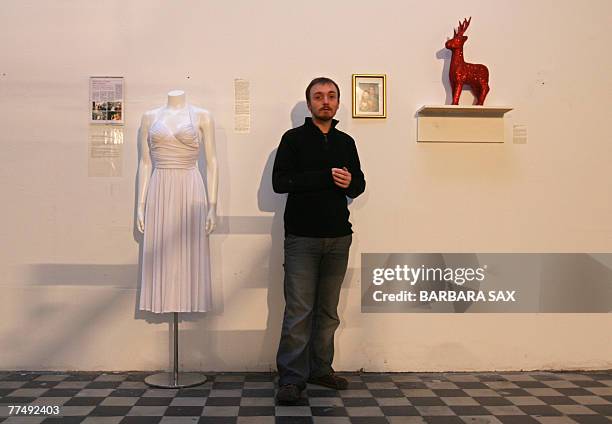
(461,124)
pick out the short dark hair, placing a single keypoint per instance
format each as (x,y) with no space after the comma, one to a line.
(320,80)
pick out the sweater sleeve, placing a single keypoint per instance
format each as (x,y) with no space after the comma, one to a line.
(358,184)
(286,177)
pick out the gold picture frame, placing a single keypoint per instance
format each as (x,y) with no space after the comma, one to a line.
(369,95)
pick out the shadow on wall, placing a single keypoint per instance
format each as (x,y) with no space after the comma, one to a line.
(268,201)
(445,55)
(299,113)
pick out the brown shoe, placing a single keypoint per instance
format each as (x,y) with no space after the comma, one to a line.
(288,394)
(330,380)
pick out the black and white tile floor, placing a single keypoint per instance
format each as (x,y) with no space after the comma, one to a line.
(372,398)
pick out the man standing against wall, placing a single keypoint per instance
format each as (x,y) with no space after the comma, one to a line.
(318,166)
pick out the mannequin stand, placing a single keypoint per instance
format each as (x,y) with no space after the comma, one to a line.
(175,379)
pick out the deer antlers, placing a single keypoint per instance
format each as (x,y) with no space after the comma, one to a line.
(462,27)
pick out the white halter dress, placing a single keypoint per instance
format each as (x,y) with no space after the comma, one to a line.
(175,262)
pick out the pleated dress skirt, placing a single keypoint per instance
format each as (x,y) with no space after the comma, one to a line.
(176,264)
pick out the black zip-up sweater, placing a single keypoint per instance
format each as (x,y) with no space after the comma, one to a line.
(316,207)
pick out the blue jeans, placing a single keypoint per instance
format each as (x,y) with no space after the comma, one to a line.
(314,271)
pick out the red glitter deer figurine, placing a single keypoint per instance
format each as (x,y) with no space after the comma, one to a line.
(460,72)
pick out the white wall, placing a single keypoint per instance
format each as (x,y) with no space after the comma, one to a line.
(68,250)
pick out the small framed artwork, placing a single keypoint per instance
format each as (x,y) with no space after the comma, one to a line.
(369,96)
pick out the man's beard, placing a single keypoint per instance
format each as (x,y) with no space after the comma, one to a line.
(326,117)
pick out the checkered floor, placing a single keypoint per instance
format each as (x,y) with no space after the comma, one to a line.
(248,398)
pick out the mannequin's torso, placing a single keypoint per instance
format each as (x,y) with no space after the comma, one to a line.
(174,116)
(177,113)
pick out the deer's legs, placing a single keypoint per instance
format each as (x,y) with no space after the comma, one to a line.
(457,92)
(482,93)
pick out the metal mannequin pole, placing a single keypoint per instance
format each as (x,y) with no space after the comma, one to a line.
(175,379)
(176,357)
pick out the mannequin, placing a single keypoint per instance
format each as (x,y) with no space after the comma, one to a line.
(171,193)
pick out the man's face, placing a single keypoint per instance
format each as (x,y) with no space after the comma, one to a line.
(323,101)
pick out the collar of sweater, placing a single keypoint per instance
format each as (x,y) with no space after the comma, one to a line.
(310,124)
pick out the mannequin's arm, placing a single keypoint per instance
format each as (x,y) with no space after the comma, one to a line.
(144,170)
(207,126)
